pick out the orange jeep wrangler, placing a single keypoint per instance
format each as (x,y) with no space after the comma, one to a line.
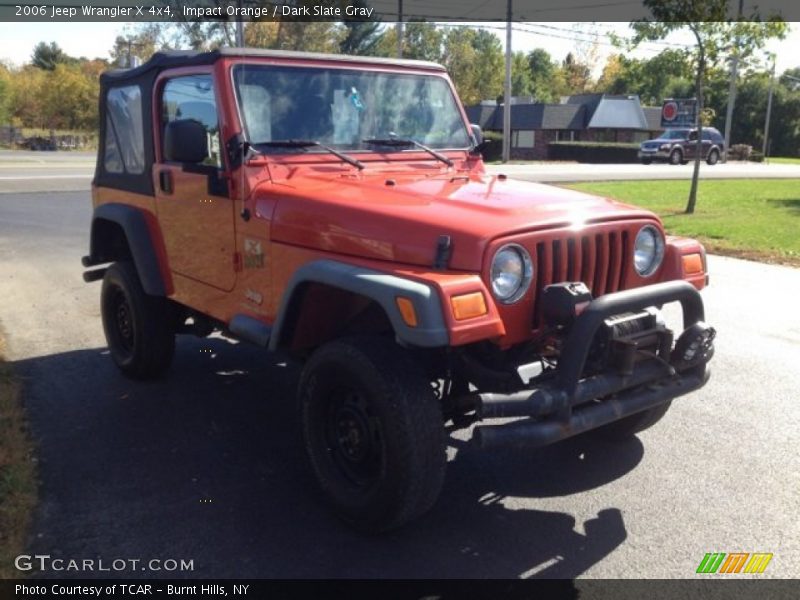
(336,209)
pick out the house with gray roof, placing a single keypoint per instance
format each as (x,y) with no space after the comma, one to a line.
(582,117)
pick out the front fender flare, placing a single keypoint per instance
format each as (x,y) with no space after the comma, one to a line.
(430,332)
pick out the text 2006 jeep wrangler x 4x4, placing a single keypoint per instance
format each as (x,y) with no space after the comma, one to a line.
(336,209)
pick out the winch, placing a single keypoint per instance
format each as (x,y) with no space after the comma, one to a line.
(621,341)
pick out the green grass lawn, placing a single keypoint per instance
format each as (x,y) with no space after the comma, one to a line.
(757,219)
(784,160)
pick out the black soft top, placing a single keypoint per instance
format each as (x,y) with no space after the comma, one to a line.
(167,59)
(144,77)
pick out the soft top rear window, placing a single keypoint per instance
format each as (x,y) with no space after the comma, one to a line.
(124,151)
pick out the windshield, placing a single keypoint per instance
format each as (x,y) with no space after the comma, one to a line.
(341,108)
(674,134)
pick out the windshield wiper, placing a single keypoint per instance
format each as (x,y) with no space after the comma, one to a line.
(312,144)
(405,142)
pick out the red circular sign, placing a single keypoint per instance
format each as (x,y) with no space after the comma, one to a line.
(670,111)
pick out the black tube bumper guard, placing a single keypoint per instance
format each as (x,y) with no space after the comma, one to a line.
(564,408)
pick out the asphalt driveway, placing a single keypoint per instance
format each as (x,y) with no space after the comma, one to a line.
(204,465)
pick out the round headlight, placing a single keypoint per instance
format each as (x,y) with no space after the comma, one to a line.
(512,272)
(648,251)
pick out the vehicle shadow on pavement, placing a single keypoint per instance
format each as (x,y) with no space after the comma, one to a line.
(206,465)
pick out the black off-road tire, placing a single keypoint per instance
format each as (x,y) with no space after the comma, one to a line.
(140,329)
(630,426)
(676,157)
(713,157)
(373,432)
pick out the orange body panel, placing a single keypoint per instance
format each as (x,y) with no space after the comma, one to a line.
(227,256)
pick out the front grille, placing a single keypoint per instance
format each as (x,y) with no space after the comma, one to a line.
(597,260)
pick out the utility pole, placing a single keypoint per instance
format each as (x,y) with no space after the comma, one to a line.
(131,60)
(399,28)
(769,110)
(507,90)
(239,26)
(732,91)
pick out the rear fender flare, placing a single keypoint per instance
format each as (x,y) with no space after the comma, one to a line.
(134,223)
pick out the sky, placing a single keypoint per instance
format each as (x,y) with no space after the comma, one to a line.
(96,40)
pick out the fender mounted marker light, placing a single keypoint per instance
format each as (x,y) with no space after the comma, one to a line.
(468,306)
(407,311)
(692,264)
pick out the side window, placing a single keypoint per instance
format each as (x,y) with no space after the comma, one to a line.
(192,97)
(124,143)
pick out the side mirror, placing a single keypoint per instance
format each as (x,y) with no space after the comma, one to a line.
(480,141)
(477,133)
(185,141)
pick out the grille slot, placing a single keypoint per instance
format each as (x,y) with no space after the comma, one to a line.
(597,260)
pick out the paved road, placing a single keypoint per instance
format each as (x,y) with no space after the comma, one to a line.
(73,171)
(205,464)
(27,171)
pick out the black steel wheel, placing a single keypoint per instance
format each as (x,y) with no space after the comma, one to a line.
(373,432)
(139,329)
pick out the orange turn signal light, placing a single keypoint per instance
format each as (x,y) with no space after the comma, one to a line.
(468,306)
(407,311)
(692,264)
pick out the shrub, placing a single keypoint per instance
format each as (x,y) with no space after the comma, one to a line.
(494,149)
(756,157)
(740,152)
(593,152)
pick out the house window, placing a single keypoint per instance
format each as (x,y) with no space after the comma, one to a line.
(604,135)
(523,138)
(565,135)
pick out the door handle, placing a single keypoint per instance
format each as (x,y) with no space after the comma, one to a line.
(165,181)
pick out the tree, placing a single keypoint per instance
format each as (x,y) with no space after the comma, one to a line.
(474,59)
(791,77)
(489,63)
(360,37)
(547,79)
(5,94)
(315,36)
(26,97)
(666,75)
(459,58)
(47,56)
(70,99)
(521,80)
(713,34)
(422,41)
(577,74)
(785,139)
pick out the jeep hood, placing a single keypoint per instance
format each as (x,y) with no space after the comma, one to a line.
(399,217)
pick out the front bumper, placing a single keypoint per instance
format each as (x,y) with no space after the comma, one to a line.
(654,154)
(571,404)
